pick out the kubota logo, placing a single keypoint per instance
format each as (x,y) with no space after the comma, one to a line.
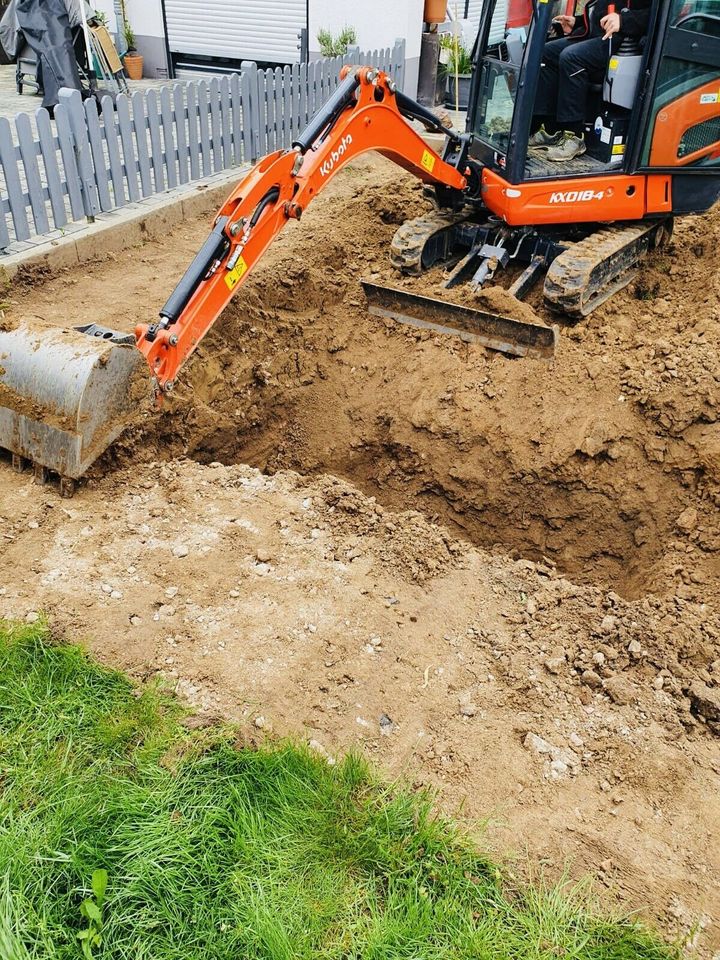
(576,196)
(335,156)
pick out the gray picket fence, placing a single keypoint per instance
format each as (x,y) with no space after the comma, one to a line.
(54,172)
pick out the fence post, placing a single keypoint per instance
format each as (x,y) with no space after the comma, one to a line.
(398,59)
(250,112)
(81,145)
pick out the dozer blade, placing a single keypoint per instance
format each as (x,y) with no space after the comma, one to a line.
(65,396)
(516,337)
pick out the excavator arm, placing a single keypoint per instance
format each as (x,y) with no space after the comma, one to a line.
(365,113)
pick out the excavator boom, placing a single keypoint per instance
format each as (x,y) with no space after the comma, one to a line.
(365,113)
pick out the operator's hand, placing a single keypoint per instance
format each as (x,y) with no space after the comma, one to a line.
(566,23)
(610,24)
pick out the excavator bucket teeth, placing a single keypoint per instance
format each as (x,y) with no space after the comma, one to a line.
(515,337)
(65,396)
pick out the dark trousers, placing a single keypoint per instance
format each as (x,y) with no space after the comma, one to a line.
(569,67)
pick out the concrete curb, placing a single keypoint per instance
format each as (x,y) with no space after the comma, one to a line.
(129,226)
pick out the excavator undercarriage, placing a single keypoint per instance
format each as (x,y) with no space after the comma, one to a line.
(582,267)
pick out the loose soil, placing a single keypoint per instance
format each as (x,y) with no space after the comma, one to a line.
(500,577)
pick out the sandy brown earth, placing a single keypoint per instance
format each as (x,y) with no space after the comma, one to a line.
(511,594)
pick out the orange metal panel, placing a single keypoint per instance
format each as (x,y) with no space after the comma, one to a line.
(659,194)
(674,120)
(566,200)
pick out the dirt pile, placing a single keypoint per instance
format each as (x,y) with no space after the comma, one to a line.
(500,576)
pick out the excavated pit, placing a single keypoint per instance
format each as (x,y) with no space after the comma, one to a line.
(604,462)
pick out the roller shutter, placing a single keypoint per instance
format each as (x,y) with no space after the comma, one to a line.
(497,30)
(264,30)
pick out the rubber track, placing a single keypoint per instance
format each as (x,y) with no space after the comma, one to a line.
(592,270)
(410,239)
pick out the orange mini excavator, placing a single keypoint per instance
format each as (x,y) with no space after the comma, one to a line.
(653,152)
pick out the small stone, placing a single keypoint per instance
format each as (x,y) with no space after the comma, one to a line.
(634,648)
(555,664)
(468,709)
(687,521)
(317,747)
(531,606)
(263,555)
(620,691)
(106,588)
(33,525)
(32,617)
(167,610)
(608,625)
(659,683)
(172,592)
(559,767)
(135,620)
(591,679)
(386,725)
(234,594)
(116,595)
(260,723)
(705,700)
(180,551)
(599,659)
(576,741)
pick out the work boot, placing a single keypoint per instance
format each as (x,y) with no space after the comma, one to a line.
(544,139)
(570,147)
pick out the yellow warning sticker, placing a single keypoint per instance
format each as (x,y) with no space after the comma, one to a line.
(428,161)
(614,63)
(234,276)
(618,149)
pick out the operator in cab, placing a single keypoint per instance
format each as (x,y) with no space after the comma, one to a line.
(575,59)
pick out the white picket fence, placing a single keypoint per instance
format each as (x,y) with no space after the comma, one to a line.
(81,164)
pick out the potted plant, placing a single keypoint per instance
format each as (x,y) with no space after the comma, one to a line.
(132,61)
(331,46)
(457,63)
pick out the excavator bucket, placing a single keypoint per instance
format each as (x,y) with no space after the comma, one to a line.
(515,337)
(65,395)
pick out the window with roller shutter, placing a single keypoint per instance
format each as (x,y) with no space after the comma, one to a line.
(217,31)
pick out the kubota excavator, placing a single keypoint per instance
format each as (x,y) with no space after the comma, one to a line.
(653,152)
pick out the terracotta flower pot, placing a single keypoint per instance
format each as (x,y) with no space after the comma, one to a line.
(435,11)
(133,66)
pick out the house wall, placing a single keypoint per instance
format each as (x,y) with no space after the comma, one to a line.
(146,20)
(378,23)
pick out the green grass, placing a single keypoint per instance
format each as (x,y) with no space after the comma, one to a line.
(215,851)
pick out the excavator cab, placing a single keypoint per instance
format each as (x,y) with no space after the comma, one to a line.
(654,109)
(652,130)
